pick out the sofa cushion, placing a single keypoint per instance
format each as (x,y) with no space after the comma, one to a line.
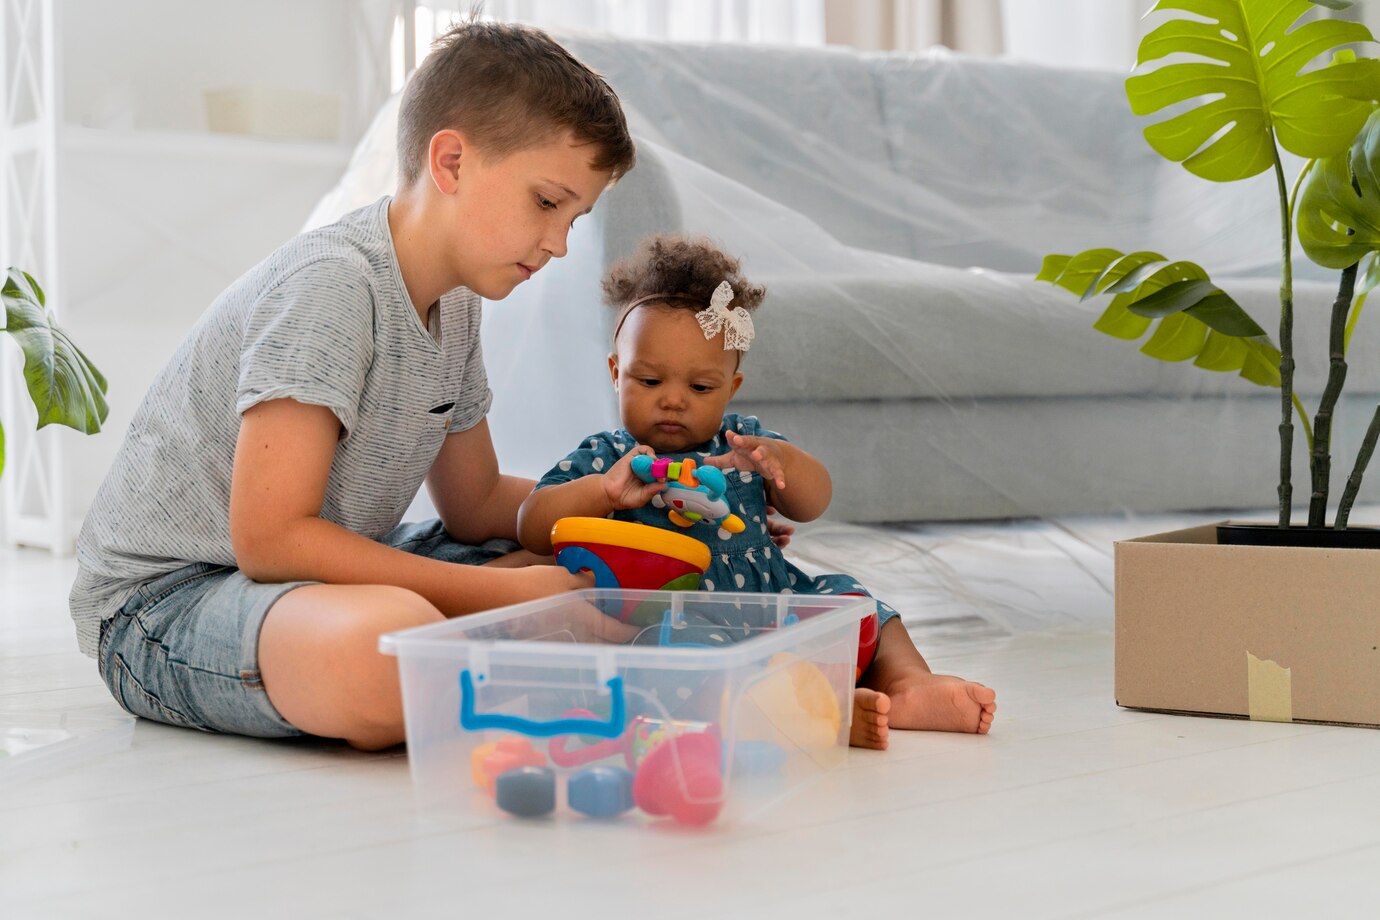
(940,332)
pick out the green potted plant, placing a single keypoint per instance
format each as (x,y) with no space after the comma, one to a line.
(1203,626)
(64,385)
(1243,89)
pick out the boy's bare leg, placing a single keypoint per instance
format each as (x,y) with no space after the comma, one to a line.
(900,691)
(321,665)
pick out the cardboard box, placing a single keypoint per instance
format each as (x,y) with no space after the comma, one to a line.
(1275,633)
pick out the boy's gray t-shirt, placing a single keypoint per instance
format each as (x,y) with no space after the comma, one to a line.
(325,320)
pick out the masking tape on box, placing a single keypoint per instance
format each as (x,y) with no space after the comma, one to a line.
(1269,690)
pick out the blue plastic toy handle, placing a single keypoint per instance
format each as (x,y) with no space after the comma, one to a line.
(613,728)
(576,559)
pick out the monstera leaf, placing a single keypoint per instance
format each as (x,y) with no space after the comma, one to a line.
(1197,319)
(1246,81)
(1338,213)
(1339,204)
(65,386)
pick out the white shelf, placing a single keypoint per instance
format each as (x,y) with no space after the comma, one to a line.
(202,144)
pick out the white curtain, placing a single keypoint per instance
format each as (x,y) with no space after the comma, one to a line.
(782,22)
(1101,34)
(973,26)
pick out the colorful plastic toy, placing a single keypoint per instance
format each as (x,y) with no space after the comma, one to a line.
(600,792)
(622,554)
(869,632)
(692,493)
(679,766)
(794,706)
(642,734)
(757,758)
(686,631)
(682,777)
(489,761)
(528,792)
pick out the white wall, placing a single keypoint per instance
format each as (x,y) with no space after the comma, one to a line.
(155,216)
(145,63)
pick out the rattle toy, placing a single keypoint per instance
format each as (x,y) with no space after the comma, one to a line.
(692,493)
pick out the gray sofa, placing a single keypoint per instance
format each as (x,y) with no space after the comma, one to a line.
(897,208)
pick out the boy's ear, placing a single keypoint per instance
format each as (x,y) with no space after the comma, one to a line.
(613,369)
(443,159)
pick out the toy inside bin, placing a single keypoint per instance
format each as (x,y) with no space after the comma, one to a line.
(560,707)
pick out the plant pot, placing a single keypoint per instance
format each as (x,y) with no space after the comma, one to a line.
(1236,534)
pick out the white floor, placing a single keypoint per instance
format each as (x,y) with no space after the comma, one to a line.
(1072,807)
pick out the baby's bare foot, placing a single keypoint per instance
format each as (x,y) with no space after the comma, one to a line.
(940,702)
(869,729)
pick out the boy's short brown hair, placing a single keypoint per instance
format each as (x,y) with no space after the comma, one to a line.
(508,87)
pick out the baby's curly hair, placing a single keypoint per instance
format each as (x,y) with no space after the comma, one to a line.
(686,269)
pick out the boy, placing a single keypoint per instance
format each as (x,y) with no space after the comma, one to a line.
(242,556)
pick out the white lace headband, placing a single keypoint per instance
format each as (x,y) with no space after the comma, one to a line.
(736,324)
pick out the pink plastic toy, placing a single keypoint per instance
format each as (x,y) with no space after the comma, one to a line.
(682,778)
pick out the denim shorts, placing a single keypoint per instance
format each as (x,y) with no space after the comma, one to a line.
(184,649)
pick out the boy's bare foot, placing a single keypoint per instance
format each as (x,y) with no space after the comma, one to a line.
(869,728)
(939,702)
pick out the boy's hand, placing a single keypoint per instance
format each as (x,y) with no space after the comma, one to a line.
(761,455)
(538,581)
(622,487)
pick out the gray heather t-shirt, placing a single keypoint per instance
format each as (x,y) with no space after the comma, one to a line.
(324,320)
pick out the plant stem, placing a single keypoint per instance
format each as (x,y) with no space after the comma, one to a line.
(1286,347)
(1353,482)
(1321,458)
(1303,422)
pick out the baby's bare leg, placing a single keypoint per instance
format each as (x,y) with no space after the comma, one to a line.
(917,698)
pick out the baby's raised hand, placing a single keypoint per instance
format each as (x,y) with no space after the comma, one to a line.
(623,488)
(748,452)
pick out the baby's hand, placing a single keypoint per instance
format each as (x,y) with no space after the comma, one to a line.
(623,488)
(779,531)
(762,455)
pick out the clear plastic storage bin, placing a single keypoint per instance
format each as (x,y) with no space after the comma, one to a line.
(635,706)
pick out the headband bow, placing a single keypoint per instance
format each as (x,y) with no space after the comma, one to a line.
(736,323)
